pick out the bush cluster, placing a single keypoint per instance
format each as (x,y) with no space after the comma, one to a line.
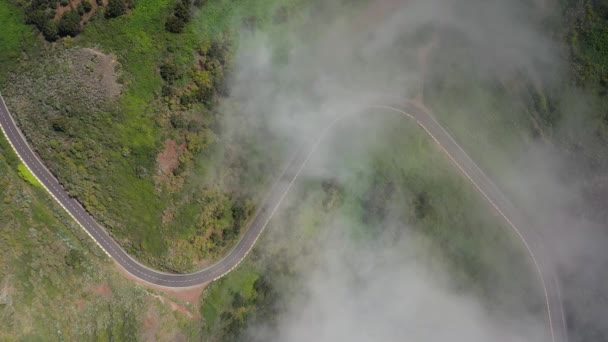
(41,13)
(182,13)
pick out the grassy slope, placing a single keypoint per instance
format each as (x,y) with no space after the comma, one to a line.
(15,38)
(100,162)
(140,54)
(138,40)
(51,272)
(50,268)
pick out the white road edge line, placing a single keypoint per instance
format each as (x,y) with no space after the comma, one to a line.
(309,155)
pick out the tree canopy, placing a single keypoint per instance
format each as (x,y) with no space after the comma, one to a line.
(69,24)
(116,8)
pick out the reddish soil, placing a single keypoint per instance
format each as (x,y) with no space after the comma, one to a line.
(151,324)
(103,290)
(173,305)
(80,304)
(189,295)
(168,159)
(168,215)
(181,308)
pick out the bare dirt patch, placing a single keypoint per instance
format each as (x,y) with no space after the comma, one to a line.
(189,295)
(5,292)
(104,67)
(167,161)
(173,305)
(103,290)
(168,215)
(151,324)
(80,304)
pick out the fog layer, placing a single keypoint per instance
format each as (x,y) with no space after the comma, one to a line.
(343,58)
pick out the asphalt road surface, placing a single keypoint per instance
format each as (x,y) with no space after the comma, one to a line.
(539,254)
(529,237)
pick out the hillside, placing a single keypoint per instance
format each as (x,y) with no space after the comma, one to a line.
(169,120)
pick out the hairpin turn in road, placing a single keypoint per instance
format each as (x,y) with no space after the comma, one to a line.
(490,192)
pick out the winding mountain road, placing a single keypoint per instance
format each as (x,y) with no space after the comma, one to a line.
(528,236)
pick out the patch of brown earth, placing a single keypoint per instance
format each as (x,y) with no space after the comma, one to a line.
(168,215)
(80,304)
(173,305)
(168,160)
(103,290)
(151,324)
(208,233)
(190,295)
(5,292)
(105,72)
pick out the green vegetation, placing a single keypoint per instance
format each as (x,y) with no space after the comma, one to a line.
(497,121)
(222,294)
(131,128)
(69,25)
(567,116)
(126,114)
(56,284)
(182,13)
(588,38)
(16,37)
(43,15)
(27,175)
(86,6)
(404,177)
(116,8)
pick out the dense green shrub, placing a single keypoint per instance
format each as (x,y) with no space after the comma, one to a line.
(116,8)
(182,13)
(38,17)
(169,72)
(86,4)
(175,24)
(69,24)
(50,31)
(60,124)
(74,259)
(178,121)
